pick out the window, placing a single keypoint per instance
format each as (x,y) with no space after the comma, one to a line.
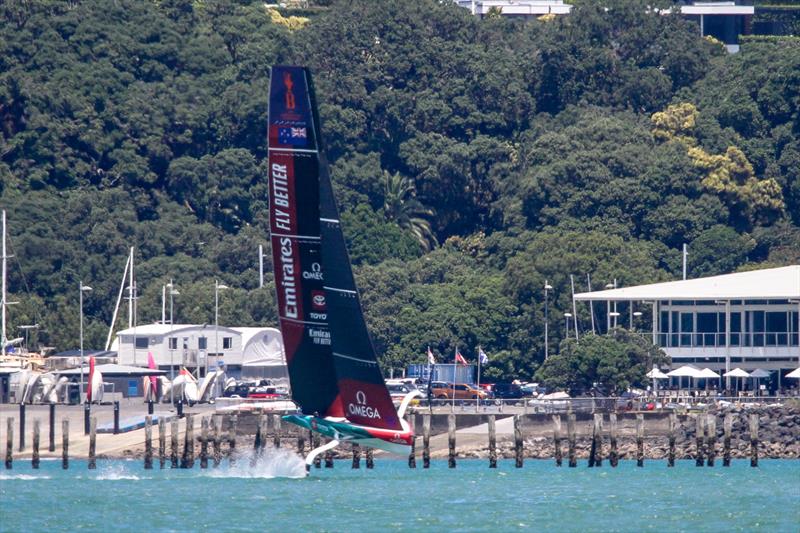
(706,329)
(777,326)
(202,343)
(736,328)
(687,328)
(173,343)
(227,343)
(141,342)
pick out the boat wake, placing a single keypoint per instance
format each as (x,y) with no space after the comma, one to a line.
(21,477)
(271,463)
(116,472)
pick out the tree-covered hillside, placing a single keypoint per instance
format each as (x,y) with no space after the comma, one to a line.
(473,160)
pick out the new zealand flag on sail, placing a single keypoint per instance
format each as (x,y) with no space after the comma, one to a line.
(292,136)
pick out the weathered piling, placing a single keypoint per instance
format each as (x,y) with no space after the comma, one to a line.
(233,423)
(573,460)
(162,442)
(263,427)
(727,425)
(699,437)
(35,456)
(92,443)
(204,443)
(116,418)
(412,456)
(52,444)
(87,414)
(148,442)
(557,438)
(613,455)
(217,423)
(640,440)
(257,441)
(9,443)
(65,443)
(21,426)
(426,441)
(596,451)
(356,456)
(301,444)
(370,459)
(673,423)
(315,443)
(492,443)
(173,451)
(187,459)
(276,428)
(754,439)
(451,440)
(518,441)
(328,459)
(711,439)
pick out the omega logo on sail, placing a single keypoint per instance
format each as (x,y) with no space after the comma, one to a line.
(362,409)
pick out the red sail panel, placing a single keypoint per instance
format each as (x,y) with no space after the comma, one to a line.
(296,249)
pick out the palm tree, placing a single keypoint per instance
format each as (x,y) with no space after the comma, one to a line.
(401,206)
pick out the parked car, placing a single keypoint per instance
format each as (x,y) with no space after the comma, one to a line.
(507,391)
(398,391)
(459,391)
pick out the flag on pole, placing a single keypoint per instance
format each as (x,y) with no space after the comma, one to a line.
(482,357)
(431,359)
(460,358)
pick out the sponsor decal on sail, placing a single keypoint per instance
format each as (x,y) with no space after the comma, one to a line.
(360,408)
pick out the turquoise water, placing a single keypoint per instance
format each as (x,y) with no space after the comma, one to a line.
(122,496)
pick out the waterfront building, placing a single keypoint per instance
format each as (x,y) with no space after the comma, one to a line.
(241,351)
(747,320)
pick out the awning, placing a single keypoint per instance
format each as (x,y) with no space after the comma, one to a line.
(685,371)
(708,373)
(736,373)
(794,374)
(760,373)
(657,374)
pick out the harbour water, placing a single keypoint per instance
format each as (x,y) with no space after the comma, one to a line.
(274,495)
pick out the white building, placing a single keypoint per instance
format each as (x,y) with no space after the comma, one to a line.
(242,351)
(747,319)
(516,8)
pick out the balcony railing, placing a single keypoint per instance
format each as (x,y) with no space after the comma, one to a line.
(705,340)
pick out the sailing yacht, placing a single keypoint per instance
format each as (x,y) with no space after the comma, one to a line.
(333,370)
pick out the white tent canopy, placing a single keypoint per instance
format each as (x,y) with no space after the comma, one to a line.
(685,371)
(759,373)
(770,283)
(736,373)
(794,374)
(657,374)
(708,373)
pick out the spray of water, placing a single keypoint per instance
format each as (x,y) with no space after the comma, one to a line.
(116,471)
(269,463)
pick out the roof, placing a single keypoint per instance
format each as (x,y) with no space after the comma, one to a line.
(111,370)
(167,329)
(771,283)
(717,8)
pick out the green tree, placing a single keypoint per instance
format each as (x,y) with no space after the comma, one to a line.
(401,206)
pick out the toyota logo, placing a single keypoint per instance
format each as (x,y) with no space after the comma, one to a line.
(361,398)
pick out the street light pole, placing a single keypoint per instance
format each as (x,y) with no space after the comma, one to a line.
(172,292)
(567,316)
(217,287)
(547,287)
(83,288)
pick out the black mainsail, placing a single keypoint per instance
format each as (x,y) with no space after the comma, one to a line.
(328,346)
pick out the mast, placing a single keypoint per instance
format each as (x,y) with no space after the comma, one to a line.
(130,289)
(4,339)
(116,307)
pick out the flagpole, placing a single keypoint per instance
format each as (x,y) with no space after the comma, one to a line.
(455,363)
(478,399)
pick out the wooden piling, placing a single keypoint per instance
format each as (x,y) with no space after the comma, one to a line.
(492,443)
(596,450)
(173,452)
(356,456)
(65,443)
(754,440)
(35,456)
(370,459)
(204,442)
(518,449)
(233,423)
(9,443)
(673,424)
(301,444)
(315,443)
(328,459)
(727,425)
(188,442)
(148,442)
(451,440)
(263,423)
(257,442)
(21,426)
(276,427)
(573,460)
(613,455)
(711,439)
(412,456)
(217,423)
(52,444)
(557,438)
(426,441)
(699,437)
(92,443)
(640,440)
(162,442)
